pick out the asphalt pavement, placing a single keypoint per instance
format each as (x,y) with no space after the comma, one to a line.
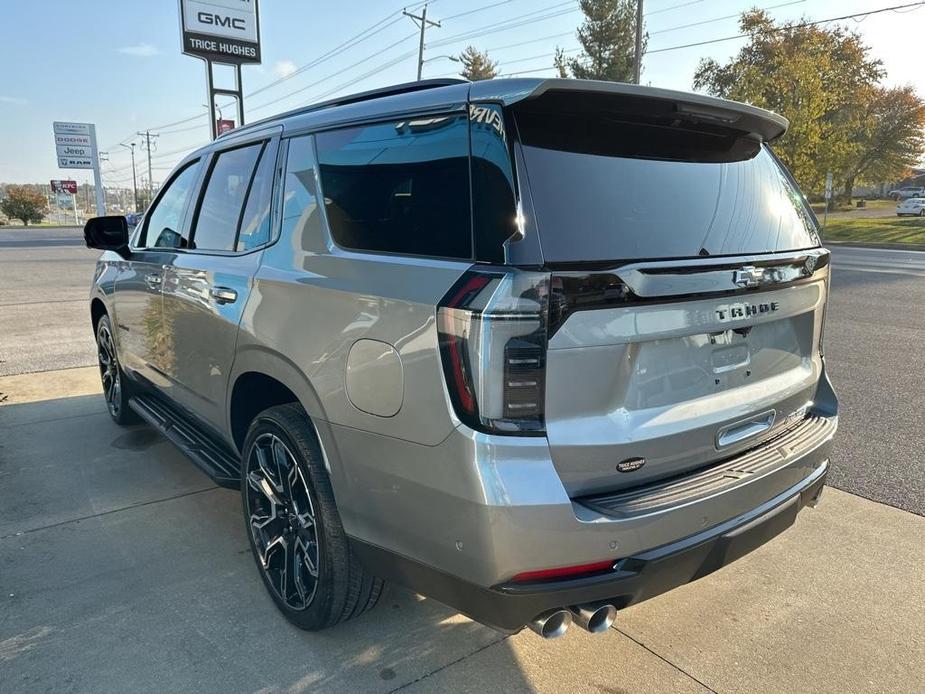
(875,347)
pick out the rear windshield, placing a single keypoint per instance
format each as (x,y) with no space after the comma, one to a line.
(608,187)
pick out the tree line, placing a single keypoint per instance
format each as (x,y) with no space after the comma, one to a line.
(824,80)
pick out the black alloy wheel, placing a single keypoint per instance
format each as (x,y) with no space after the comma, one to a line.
(300,547)
(281,517)
(115,389)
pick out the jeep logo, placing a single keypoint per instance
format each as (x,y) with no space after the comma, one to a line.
(745,310)
(220,21)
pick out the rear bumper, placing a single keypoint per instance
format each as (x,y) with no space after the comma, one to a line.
(508,607)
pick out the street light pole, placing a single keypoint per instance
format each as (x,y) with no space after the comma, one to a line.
(131,147)
(637,63)
(424,23)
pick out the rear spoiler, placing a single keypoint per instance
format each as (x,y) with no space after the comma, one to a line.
(757,122)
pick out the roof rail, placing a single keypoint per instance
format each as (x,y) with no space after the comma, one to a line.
(404,88)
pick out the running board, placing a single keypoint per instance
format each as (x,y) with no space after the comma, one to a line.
(209,456)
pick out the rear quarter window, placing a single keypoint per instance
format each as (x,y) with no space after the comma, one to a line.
(399,187)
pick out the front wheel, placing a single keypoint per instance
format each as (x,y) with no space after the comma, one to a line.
(299,544)
(115,389)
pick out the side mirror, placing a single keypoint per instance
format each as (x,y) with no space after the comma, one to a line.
(107,234)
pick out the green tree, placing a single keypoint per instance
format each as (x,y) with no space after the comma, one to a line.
(477,65)
(820,78)
(560,63)
(889,138)
(608,42)
(24,204)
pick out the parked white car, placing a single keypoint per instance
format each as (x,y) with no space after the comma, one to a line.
(912,206)
(907,192)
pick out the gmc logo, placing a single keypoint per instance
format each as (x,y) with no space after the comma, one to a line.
(220,21)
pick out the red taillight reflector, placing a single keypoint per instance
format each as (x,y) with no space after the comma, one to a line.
(563,572)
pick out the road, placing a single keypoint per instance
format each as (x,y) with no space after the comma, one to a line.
(875,344)
(123,568)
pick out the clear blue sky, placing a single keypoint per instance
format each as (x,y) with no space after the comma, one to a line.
(118,64)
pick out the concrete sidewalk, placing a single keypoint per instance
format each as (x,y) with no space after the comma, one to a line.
(122,568)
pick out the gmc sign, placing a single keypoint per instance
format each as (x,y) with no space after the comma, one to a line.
(222,31)
(220,21)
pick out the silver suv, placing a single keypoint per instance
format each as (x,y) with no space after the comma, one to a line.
(458,336)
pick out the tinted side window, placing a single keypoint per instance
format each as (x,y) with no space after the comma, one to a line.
(255,224)
(219,212)
(162,228)
(400,187)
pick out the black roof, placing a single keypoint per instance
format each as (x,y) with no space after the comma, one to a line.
(451,94)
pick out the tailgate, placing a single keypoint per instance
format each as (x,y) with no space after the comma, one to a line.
(655,369)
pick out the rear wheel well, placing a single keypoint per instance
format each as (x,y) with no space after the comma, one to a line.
(97,311)
(253,393)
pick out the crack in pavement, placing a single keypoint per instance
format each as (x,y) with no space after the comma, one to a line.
(451,664)
(665,660)
(109,512)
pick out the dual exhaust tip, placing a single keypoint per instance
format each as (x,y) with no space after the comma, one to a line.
(594,617)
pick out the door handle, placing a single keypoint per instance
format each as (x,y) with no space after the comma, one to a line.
(223,295)
(153,280)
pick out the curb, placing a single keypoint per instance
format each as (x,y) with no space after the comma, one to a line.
(875,244)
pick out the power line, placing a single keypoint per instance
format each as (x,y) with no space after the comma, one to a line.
(790,27)
(339,72)
(367,33)
(518,21)
(673,7)
(915,5)
(720,19)
(478,9)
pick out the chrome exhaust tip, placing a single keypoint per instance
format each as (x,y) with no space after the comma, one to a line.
(552,624)
(595,617)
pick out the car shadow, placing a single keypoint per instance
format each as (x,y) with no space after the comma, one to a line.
(127,569)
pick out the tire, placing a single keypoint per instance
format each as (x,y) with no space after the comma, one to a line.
(292,522)
(116,389)
(921,213)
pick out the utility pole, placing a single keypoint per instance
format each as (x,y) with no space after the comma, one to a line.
(147,135)
(131,147)
(424,23)
(637,66)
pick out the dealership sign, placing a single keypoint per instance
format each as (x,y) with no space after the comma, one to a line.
(221,31)
(75,145)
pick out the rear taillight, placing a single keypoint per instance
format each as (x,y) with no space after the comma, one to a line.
(492,326)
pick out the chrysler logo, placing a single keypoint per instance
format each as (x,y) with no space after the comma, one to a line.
(748,276)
